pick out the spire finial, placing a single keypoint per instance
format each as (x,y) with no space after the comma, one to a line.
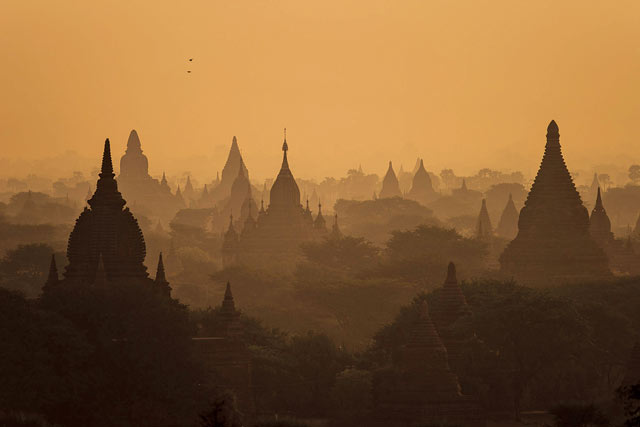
(53,271)
(285,146)
(107,165)
(598,200)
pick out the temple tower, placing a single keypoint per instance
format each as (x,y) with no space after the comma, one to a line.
(232,167)
(484,229)
(553,242)
(422,188)
(390,184)
(423,390)
(599,223)
(107,230)
(508,225)
(134,166)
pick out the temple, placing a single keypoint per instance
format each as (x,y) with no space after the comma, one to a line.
(422,188)
(152,197)
(421,389)
(272,239)
(390,185)
(508,225)
(621,254)
(106,243)
(484,229)
(226,358)
(553,243)
(451,306)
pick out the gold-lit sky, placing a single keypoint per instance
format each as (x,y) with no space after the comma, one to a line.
(463,84)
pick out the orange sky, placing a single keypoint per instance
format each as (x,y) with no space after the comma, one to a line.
(463,84)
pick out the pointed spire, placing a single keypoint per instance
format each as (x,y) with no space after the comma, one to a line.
(599,201)
(107,166)
(335,230)
(484,228)
(160,274)
(508,225)
(464,185)
(553,131)
(228,304)
(285,148)
(390,184)
(53,272)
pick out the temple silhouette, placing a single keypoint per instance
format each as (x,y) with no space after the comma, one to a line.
(421,388)
(270,238)
(553,242)
(106,243)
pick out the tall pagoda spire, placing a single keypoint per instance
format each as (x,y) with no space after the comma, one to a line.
(553,241)
(285,194)
(599,223)
(320,222)
(484,230)
(161,281)
(53,277)
(390,184)
(508,225)
(421,188)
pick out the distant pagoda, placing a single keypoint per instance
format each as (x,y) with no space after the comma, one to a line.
(484,229)
(273,239)
(390,185)
(231,170)
(422,188)
(599,223)
(421,389)
(553,242)
(106,243)
(508,225)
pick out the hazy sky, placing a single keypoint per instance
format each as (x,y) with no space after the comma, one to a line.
(463,84)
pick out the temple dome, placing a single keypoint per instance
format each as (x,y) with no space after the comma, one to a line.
(106,229)
(285,194)
(390,184)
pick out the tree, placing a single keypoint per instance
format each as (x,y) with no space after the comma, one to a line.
(634,173)
(141,370)
(630,397)
(351,254)
(422,254)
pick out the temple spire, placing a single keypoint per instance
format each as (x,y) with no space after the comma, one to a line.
(160,274)
(53,272)
(107,165)
(599,201)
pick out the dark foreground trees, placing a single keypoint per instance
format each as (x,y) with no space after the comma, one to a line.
(86,355)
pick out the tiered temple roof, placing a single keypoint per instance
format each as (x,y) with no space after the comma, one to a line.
(275,241)
(508,225)
(390,184)
(553,242)
(106,229)
(423,390)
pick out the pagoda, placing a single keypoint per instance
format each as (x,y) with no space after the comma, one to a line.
(421,389)
(508,225)
(451,306)
(484,230)
(273,240)
(553,243)
(390,185)
(106,243)
(599,223)
(422,188)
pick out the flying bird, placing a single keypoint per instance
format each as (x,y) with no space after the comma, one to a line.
(190,59)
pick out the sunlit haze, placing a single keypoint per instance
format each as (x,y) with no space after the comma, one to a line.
(464,84)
